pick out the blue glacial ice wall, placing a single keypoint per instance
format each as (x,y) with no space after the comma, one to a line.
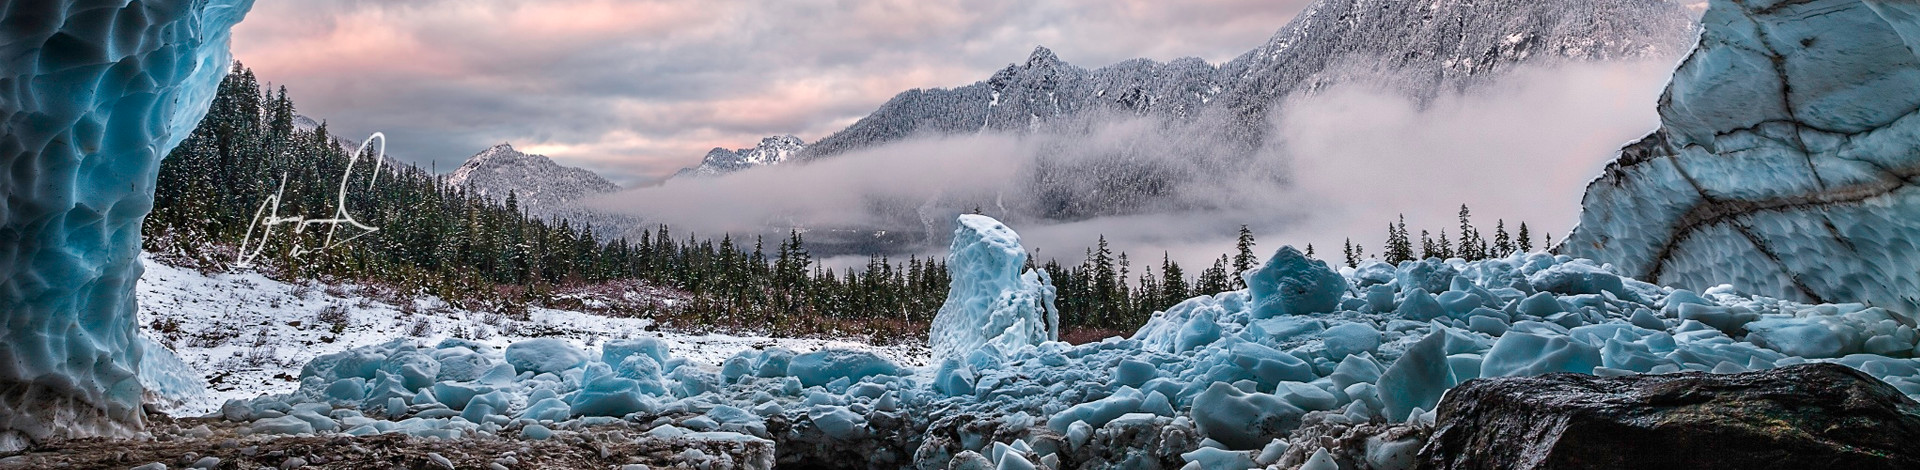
(990,304)
(1786,162)
(92,94)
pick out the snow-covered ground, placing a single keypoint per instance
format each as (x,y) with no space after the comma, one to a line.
(248,335)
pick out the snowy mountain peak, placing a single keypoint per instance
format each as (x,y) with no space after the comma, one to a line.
(1042,57)
(770,151)
(535,180)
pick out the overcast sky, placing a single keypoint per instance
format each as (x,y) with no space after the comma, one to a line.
(636,89)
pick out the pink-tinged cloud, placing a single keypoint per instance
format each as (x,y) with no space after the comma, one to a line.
(640,88)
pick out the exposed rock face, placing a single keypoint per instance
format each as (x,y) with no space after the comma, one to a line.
(96,92)
(1785,163)
(1806,416)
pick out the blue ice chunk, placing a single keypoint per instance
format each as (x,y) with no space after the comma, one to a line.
(689,381)
(1373,272)
(547,409)
(1419,378)
(616,351)
(1270,365)
(1430,275)
(347,390)
(549,355)
(167,377)
(837,422)
(1133,373)
(1380,298)
(479,413)
(1241,420)
(282,425)
(416,369)
(608,395)
(1671,304)
(1350,338)
(1541,305)
(953,378)
(358,362)
(460,364)
(1201,330)
(1492,326)
(1729,320)
(738,366)
(1283,329)
(1579,277)
(1629,355)
(824,366)
(1457,304)
(1465,366)
(1157,403)
(1306,396)
(1219,459)
(866,390)
(1098,412)
(1418,305)
(536,432)
(1290,283)
(1357,368)
(1524,354)
(773,363)
(455,395)
(644,372)
(1645,318)
(1808,337)
(989,300)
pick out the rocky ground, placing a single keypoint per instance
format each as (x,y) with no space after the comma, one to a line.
(219,444)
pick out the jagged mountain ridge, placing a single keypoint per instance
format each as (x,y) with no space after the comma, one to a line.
(1421,48)
(536,182)
(771,151)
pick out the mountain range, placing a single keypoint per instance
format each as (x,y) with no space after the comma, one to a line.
(1207,122)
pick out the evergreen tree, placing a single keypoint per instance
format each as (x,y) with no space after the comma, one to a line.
(1472,245)
(1352,258)
(1243,258)
(1427,248)
(1523,240)
(1399,248)
(1502,243)
(1174,288)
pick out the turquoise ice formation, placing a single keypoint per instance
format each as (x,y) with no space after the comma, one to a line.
(96,92)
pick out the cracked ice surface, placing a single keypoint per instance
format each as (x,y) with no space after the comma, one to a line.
(99,91)
(1221,379)
(1785,162)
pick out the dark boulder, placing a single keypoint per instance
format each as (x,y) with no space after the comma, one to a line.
(1804,416)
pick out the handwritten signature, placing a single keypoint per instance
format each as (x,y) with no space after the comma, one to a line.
(267,218)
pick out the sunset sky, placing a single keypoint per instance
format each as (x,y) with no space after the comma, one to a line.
(638,89)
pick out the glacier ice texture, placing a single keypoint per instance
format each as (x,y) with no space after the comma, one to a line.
(990,303)
(1215,380)
(1785,162)
(97,92)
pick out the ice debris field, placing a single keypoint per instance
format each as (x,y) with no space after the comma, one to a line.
(1214,382)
